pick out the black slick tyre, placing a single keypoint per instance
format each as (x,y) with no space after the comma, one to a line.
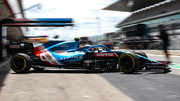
(140,53)
(142,60)
(129,63)
(20,63)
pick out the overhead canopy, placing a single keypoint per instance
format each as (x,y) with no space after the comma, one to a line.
(9,8)
(131,5)
(55,22)
(160,14)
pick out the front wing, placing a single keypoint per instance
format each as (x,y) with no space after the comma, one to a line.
(157,65)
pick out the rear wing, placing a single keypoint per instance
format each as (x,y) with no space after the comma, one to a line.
(19,47)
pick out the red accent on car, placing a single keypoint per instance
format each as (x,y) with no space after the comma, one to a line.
(48,56)
(14,46)
(162,63)
(105,55)
(43,57)
(38,48)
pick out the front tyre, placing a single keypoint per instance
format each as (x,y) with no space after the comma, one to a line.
(20,63)
(140,53)
(129,62)
(143,61)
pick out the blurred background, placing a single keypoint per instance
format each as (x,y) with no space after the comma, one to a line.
(118,24)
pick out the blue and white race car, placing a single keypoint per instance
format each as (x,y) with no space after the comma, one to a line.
(68,55)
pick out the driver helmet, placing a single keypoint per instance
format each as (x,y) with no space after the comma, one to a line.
(76,39)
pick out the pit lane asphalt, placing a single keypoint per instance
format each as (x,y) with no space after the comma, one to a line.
(90,86)
(149,86)
(4,70)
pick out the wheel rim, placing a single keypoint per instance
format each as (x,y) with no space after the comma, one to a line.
(126,63)
(18,63)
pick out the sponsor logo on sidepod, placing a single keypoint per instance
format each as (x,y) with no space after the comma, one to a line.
(106,55)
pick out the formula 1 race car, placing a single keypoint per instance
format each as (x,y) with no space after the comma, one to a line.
(68,55)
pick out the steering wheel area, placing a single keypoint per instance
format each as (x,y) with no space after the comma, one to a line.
(97,49)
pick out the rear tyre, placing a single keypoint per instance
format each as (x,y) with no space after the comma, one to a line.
(129,63)
(20,63)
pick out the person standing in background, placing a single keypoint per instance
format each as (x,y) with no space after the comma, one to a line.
(165,41)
